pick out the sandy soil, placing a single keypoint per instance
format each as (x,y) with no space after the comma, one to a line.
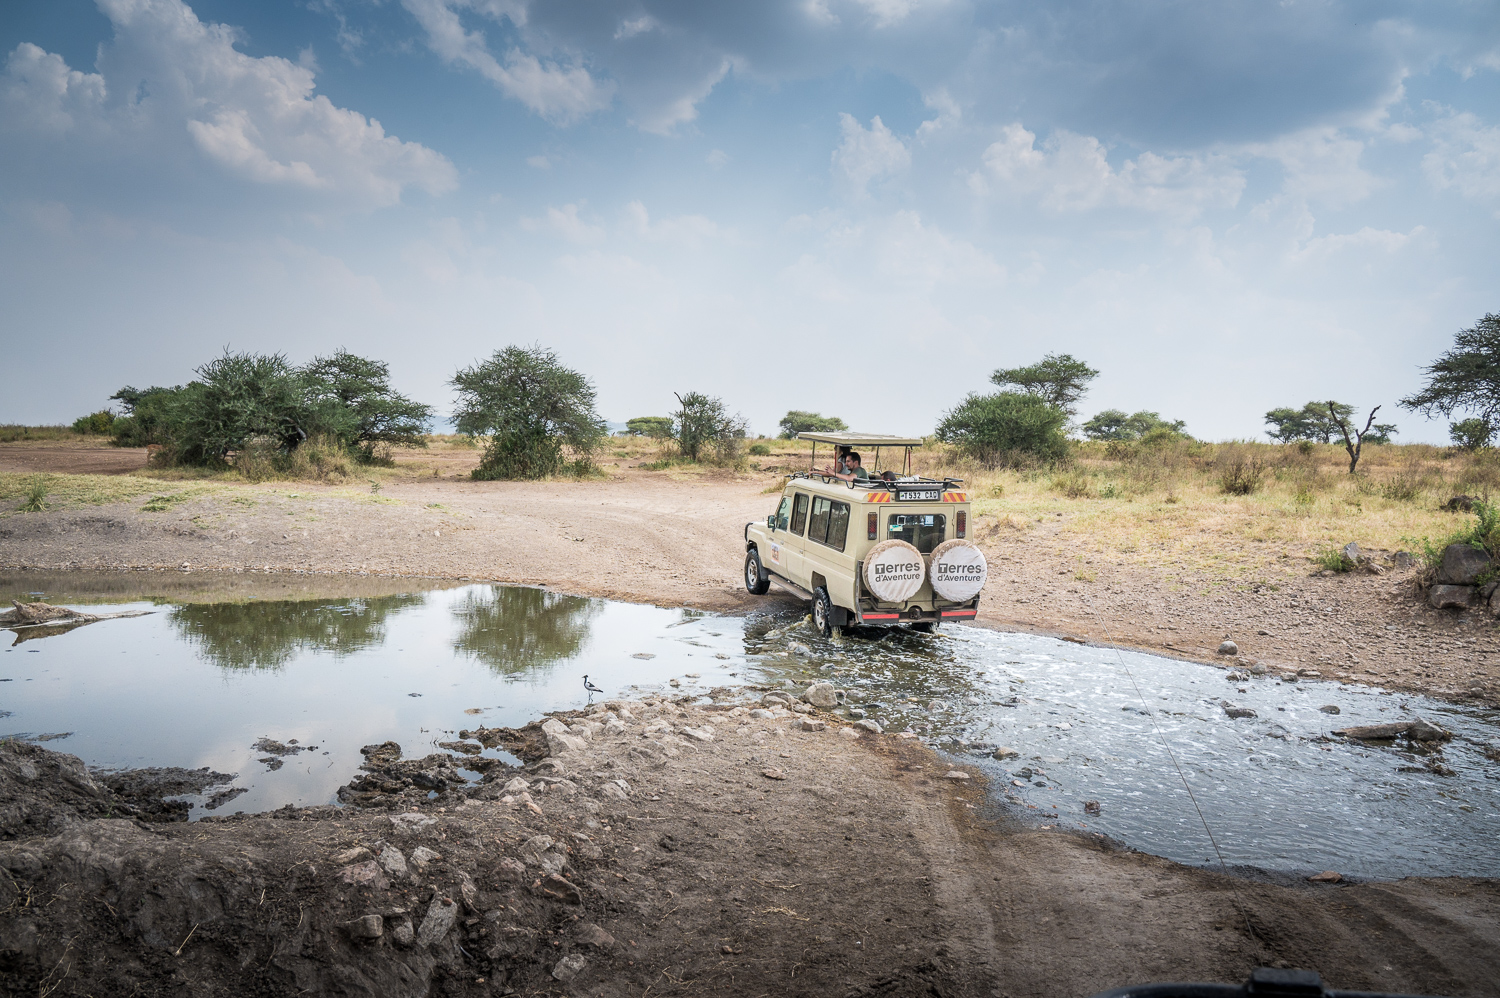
(739,856)
(651,537)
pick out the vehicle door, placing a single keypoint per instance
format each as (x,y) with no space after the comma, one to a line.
(793,541)
(824,551)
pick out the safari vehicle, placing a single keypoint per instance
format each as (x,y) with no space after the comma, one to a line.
(883,551)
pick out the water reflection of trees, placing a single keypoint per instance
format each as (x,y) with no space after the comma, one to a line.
(512,629)
(266,634)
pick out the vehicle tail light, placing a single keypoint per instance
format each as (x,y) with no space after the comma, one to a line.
(871,523)
(963,522)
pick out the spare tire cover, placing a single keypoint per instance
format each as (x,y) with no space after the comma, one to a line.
(958,570)
(894,571)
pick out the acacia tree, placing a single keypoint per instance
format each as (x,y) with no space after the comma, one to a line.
(529,406)
(995,429)
(1314,421)
(796,421)
(1465,378)
(1059,379)
(1114,424)
(354,398)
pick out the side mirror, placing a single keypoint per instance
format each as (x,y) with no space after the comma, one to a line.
(771,521)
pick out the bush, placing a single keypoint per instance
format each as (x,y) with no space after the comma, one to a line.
(706,430)
(36,496)
(531,407)
(759,450)
(1471,434)
(1333,559)
(796,421)
(1004,427)
(1074,485)
(1407,484)
(95,423)
(1239,471)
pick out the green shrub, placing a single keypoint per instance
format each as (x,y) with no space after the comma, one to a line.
(1239,470)
(706,430)
(1333,559)
(1004,428)
(36,496)
(655,427)
(531,407)
(95,423)
(1074,485)
(759,450)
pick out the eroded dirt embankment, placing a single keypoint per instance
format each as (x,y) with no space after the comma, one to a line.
(667,849)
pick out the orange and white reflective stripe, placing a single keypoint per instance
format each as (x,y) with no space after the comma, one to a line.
(955,497)
(877,497)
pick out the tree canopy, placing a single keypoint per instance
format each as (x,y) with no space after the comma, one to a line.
(1058,379)
(1311,422)
(655,427)
(1114,424)
(705,428)
(354,397)
(995,429)
(1465,378)
(796,421)
(530,406)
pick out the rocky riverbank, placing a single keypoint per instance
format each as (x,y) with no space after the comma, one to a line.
(663,847)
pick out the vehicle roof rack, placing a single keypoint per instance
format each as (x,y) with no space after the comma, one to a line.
(910,483)
(848,440)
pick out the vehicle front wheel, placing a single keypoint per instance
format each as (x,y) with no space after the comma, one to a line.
(822,612)
(756,580)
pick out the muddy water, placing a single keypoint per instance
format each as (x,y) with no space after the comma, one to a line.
(210,672)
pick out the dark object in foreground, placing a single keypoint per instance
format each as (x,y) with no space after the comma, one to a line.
(1268,982)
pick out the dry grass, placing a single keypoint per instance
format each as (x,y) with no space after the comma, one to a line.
(65,491)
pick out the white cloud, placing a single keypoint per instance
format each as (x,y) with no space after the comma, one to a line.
(561,94)
(948,113)
(168,75)
(867,155)
(685,230)
(659,118)
(1072,173)
(1465,157)
(1320,164)
(889,12)
(539,162)
(565,222)
(717,158)
(635,26)
(1379,240)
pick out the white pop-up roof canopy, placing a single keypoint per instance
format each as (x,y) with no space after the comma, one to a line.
(851,440)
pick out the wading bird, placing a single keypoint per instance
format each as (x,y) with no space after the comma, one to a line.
(590,686)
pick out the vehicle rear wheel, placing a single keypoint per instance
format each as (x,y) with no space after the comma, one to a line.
(756,580)
(925,626)
(822,612)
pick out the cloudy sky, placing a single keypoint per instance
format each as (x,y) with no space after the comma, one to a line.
(860,207)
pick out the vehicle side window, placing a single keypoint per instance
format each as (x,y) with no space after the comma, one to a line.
(817,530)
(783,515)
(838,525)
(924,531)
(830,523)
(799,513)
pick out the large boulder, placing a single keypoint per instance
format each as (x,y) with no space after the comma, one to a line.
(1462,565)
(1460,597)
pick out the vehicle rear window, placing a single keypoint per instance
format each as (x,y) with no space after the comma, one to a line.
(799,513)
(923,531)
(830,523)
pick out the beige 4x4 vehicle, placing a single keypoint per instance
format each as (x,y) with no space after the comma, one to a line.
(877,551)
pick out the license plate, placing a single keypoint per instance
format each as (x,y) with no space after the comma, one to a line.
(932,495)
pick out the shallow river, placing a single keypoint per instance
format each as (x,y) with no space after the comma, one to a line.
(197,683)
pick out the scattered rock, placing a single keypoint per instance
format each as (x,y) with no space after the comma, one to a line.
(1004,753)
(643,655)
(569,966)
(1090,807)
(592,936)
(1237,677)
(1462,565)
(1330,708)
(800,649)
(821,695)
(1238,712)
(1133,709)
(1459,504)
(1309,674)
(1228,648)
(441,915)
(773,774)
(848,733)
(364,927)
(1326,877)
(366,873)
(421,856)
(699,734)
(402,933)
(562,889)
(351,855)
(381,755)
(809,724)
(956,774)
(393,862)
(761,714)
(1259,669)
(1375,732)
(1422,731)
(869,725)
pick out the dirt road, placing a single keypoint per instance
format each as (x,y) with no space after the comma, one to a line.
(649,537)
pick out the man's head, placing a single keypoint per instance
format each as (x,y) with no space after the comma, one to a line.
(852,459)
